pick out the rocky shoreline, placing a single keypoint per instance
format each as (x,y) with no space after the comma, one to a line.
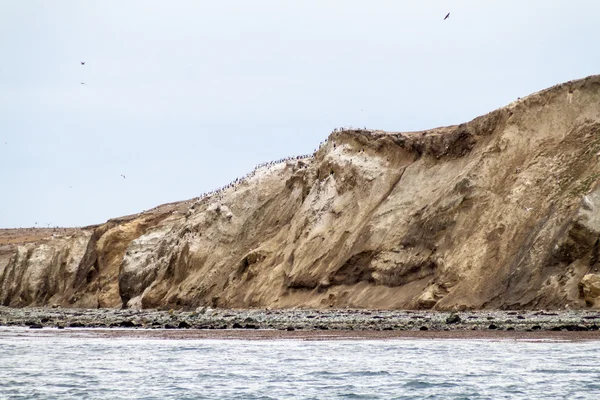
(307,320)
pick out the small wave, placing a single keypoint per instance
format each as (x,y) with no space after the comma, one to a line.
(328,374)
(343,375)
(551,371)
(419,384)
(368,373)
(355,396)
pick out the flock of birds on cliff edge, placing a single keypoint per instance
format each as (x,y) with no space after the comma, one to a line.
(219,192)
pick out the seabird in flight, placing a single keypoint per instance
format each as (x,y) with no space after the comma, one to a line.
(123,176)
(447,16)
(82,62)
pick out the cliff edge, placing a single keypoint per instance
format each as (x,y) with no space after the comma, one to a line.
(500,212)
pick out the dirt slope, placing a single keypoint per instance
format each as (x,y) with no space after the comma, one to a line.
(499,212)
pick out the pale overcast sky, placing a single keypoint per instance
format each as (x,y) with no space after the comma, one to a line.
(184,96)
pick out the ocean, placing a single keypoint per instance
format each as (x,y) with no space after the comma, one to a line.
(66,366)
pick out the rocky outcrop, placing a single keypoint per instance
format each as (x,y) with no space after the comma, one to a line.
(499,212)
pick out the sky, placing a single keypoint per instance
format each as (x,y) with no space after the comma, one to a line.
(182,97)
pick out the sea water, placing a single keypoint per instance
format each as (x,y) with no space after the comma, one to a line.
(59,366)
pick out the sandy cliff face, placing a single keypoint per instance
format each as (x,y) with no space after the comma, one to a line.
(500,212)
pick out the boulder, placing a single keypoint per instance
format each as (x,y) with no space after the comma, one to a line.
(590,289)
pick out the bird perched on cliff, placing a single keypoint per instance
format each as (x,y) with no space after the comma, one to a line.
(447,16)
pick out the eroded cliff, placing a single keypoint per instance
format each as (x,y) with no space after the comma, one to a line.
(499,212)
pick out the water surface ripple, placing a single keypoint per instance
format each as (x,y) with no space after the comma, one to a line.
(67,367)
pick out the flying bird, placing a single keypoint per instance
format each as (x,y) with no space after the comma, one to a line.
(82,62)
(83,83)
(123,176)
(447,16)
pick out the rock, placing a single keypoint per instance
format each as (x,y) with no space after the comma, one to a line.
(492,326)
(574,328)
(183,325)
(36,326)
(453,319)
(290,328)
(126,324)
(237,325)
(590,289)
(585,228)
(429,298)
(591,316)
(423,328)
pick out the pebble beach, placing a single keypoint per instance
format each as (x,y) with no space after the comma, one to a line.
(309,323)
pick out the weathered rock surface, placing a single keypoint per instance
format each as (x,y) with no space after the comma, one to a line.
(499,212)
